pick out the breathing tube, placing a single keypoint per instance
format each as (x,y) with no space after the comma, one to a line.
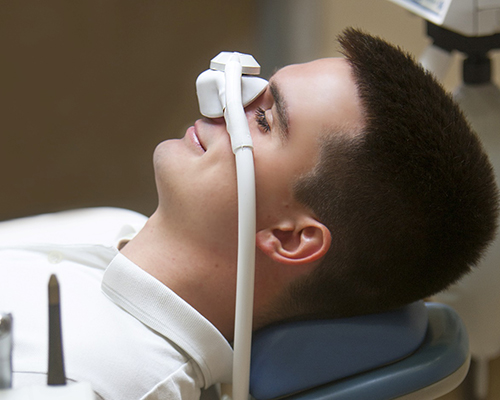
(224,90)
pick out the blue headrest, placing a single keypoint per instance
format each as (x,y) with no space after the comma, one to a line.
(296,356)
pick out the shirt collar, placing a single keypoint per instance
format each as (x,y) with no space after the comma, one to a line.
(158,307)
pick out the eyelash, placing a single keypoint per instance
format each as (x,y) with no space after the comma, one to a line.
(260,117)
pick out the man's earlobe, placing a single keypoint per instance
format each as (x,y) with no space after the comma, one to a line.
(301,242)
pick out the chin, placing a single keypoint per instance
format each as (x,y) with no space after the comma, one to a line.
(161,150)
(166,153)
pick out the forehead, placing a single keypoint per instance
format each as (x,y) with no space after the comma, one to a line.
(322,65)
(321,93)
(321,72)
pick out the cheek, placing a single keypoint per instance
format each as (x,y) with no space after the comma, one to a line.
(273,189)
(276,170)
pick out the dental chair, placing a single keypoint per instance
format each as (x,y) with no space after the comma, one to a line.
(417,352)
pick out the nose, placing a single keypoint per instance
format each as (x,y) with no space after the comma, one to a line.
(215,121)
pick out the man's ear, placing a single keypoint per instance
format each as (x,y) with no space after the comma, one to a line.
(295,242)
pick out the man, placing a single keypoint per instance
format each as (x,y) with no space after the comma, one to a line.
(372,192)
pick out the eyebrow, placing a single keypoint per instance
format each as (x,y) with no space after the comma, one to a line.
(281,108)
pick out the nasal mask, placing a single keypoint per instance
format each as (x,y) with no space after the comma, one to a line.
(224,90)
(231,80)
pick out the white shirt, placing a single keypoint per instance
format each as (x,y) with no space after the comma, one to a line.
(123,331)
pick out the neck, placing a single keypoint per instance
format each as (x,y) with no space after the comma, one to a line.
(203,278)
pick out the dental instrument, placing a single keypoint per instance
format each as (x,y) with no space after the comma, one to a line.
(55,375)
(5,351)
(224,90)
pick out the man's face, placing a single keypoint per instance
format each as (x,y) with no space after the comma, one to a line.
(196,175)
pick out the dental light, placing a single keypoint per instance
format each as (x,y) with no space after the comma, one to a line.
(466,17)
(225,90)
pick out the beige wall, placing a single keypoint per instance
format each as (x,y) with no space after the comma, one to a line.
(89,87)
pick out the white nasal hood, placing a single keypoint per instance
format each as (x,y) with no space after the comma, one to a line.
(211,84)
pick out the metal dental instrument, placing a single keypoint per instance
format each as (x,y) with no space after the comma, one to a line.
(5,351)
(56,375)
(224,90)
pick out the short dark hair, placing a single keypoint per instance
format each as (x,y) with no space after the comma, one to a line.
(411,202)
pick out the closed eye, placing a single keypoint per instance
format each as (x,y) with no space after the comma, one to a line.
(260,117)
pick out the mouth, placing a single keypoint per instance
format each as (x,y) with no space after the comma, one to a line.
(195,139)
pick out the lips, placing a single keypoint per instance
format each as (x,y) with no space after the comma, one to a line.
(195,139)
